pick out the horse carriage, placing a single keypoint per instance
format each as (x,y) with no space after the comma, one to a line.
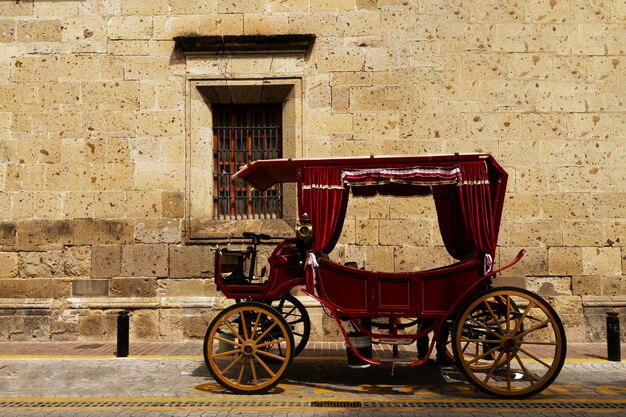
(507,341)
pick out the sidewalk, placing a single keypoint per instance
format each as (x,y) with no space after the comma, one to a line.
(575,351)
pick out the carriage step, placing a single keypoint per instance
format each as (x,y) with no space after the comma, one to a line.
(396,361)
(393,341)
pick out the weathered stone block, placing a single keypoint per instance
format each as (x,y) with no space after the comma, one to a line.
(191,261)
(265,24)
(7,30)
(327,123)
(601,261)
(158,231)
(143,8)
(110,122)
(133,287)
(405,232)
(106,261)
(609,205)
(411,259)
(155,176)
(35,288)
(104,232)
(48,205)
(194,327)
(145,260)
(29,328)
(144,325)
(77,261)
(566,206)
(36,68)
(534,262)
(39,30)
(587,233)
(119,95)
(586,285)
(613,285)
(530,233)
(130,27)
(522,206)
(565,261)
(8,264)
(173,203)
(550,286)
(367,232)
(141,67)
(186,287)
(90,287)
(8,233)
(78,204)
(41,232)
(376,126)
(97,326)
(41,264)
(379,258)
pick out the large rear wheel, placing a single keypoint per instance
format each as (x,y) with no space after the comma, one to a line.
(248,347)
(294,312)
(521,339)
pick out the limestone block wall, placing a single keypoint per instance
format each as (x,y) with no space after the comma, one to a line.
(105,159)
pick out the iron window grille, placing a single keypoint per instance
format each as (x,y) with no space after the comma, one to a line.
(242,134)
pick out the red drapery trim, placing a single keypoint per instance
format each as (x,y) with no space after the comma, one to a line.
(416,176)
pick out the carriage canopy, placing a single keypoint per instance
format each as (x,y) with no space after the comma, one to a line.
(468,190)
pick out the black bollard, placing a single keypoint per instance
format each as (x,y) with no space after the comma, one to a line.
(122,334)
(612,337)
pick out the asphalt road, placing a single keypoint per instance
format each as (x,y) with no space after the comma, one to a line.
(155,387)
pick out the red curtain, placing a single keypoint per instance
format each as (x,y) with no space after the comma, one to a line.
(465,214)
(475,196)
(456,238)
(325,200)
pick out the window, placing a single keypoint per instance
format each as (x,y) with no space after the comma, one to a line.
(244,133)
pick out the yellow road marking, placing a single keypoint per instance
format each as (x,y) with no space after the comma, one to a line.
(280,398)
(200,357)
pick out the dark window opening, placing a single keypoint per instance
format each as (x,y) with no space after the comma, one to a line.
(242,134)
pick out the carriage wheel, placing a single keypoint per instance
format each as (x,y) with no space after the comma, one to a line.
(248,347)
(294,312)
(522,352)
(490,315)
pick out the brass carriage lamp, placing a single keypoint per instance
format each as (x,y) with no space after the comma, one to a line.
(304,229)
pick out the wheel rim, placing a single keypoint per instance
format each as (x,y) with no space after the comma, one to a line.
(248,347)
(294,312)
(506,352)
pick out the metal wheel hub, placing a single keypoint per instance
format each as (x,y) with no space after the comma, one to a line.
(248,348)
(509,343)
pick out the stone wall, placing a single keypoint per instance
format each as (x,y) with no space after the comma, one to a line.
(103,199)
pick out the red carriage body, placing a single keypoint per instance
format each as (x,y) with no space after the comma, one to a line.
(468,191)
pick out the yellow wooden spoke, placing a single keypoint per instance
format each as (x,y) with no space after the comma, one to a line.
(231,364)
(226,354)
(265,332)
(495,319)
(271,355)
(270,343)
(264,365)
(493,368)
(243,366)
(534,357)
(244,325)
